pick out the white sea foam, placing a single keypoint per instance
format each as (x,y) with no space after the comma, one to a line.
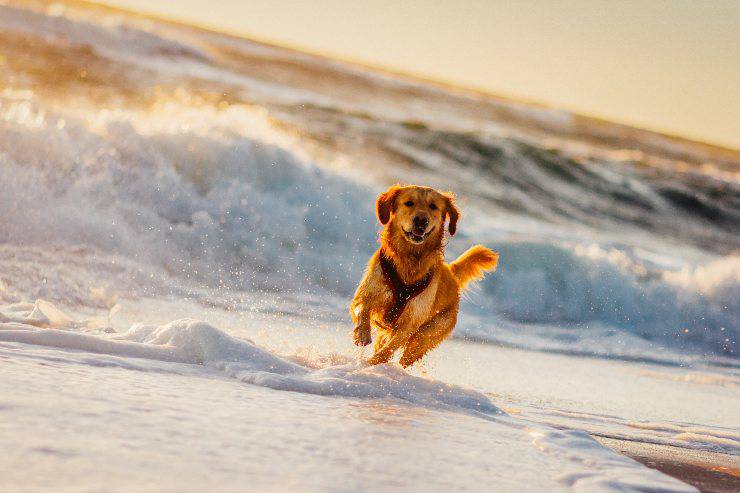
(721,440)
(603,470)
(195,342)
(208,202)
(602,294)
(688,436)
(590,465)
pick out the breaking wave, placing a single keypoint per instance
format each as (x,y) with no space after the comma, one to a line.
(585,286)
(220,197)
(203,201)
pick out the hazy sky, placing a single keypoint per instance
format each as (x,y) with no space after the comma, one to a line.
(669,65)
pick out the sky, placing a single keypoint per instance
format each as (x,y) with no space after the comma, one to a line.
(671,66)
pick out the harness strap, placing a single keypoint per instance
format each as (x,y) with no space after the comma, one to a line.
(402,293)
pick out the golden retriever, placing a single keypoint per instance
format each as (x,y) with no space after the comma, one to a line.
(408,292)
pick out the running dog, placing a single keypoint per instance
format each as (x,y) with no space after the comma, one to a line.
(408,292)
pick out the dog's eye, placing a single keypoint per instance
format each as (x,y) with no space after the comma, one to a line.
(408,203)
(433,206)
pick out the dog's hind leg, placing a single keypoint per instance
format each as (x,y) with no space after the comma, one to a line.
(429,336)
(384,353)
(381,339)
(386,345)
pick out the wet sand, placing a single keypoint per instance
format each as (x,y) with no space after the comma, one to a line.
(709,471)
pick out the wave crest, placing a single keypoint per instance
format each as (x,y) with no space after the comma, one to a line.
(582,286)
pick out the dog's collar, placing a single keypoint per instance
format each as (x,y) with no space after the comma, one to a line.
(402,293)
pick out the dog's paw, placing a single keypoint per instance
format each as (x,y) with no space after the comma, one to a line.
(361,335)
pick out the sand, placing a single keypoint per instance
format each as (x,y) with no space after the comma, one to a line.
(708,471)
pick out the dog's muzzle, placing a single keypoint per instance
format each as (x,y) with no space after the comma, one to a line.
(416,236)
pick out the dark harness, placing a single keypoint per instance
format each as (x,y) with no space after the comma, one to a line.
(402,293)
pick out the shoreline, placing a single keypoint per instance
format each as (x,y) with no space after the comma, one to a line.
(711,472)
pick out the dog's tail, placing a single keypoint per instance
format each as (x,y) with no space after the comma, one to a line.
(471,265)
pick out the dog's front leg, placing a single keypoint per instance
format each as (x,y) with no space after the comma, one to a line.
(361,332)
(429,336)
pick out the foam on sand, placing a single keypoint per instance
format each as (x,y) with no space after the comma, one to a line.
(197,343)
(603,469)
(194,342)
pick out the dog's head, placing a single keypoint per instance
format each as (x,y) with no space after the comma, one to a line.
(417,213)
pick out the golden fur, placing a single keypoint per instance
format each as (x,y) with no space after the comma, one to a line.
(428,318)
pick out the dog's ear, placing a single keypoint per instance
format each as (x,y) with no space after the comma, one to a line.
(385,202)
(452,211)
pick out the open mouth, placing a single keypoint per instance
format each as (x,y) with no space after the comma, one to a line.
(417,238)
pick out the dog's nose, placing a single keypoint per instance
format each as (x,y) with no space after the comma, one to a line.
(421,222)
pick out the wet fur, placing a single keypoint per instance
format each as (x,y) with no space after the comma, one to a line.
(429,318)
